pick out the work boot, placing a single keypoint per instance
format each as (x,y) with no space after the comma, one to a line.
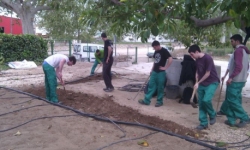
(241,124)
(219,113)
(212,121)
(201,127)
(158,105)
(109,90)
(227,123)
(141,101)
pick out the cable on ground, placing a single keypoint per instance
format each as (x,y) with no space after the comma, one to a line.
(192,140)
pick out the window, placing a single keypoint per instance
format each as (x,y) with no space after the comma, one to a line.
(1,29)
(91,48)
(77,48)
(85,49)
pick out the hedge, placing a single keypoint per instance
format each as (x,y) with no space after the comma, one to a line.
(20,47)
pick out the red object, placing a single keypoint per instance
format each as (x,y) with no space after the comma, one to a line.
(5,22)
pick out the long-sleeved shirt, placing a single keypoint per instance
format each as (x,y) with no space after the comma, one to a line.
(239,64)
(100,57)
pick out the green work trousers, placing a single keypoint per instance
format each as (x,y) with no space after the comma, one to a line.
(233,103)
(224,105)
(205,95)
(94,66)
(50,82)
(156,82)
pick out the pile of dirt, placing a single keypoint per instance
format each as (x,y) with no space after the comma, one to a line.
(108,108)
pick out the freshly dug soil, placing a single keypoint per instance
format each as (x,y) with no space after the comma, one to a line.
(108,108)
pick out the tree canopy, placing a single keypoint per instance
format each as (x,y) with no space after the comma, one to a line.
(163,16)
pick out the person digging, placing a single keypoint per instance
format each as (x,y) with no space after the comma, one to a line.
(99,57)
(238,68)
(206,84)
(157,75)
(49,65)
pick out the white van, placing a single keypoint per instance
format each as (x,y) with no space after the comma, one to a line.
(86,51)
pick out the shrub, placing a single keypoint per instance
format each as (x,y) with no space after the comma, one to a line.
(20,47)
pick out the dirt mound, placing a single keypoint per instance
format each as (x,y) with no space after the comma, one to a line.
(108,108)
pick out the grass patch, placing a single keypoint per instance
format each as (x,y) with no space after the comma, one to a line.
(4,67)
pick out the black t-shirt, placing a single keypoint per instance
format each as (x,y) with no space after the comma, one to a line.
(160,57)
(107,43)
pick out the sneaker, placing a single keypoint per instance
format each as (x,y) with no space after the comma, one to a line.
(158,105)
(241,124)
(201,127)
(227,123)
(141,101)
(219,113)
(194,105)
(109,90)
(212,121)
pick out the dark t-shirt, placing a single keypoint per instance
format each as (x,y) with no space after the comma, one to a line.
(160,57)
(107,43)
(203,65)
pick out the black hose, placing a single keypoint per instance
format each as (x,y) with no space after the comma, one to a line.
(121,122)
(34,120)
(225,142)
(126,140)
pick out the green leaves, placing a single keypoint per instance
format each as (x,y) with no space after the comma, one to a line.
(29,47)
(154,30)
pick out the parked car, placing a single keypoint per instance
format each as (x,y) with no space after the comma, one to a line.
(86,51)
(151,52)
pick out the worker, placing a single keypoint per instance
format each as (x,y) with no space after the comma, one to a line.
(107,63)
(49,65)
(157,75)
(206,84)
(238,68)
(99,56)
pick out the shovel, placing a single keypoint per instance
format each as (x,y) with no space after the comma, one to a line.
(142,87)
(98,68)
(219,97)
(192,98)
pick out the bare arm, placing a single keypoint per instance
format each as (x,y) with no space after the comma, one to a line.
(206,75)
(196,77)
(59,70)
(170,59)
(109,51)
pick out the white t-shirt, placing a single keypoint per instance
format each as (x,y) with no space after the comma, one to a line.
(54,60)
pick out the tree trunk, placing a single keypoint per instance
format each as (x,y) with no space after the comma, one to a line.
(27,18)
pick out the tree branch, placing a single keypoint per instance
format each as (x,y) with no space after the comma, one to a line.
(210,22)
(116,2)
(10,5)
